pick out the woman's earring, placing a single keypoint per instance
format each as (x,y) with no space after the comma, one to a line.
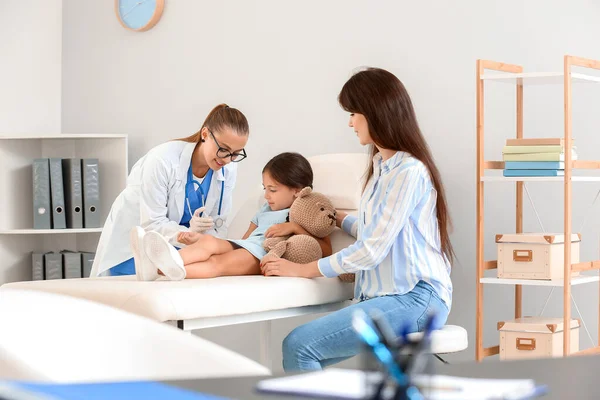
(202,140)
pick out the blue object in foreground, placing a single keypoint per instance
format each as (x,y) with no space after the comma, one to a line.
(100,391)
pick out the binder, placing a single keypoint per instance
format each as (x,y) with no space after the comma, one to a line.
(57,194)
(71,168)
(42,212)
(537,142)
(91,192)
(71,264)
(537,156)
(87,260)
(534,165)
(533,149)
(37,266)
(533,172)
(53,266)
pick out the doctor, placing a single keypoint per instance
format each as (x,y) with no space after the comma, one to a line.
(179,186)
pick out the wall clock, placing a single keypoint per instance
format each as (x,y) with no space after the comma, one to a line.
(139,15)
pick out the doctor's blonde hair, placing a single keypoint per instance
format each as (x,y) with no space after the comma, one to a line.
(222,116)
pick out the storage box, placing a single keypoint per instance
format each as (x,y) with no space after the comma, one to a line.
(535,337)
(534,255)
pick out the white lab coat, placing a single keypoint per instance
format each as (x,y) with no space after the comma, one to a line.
(154,199)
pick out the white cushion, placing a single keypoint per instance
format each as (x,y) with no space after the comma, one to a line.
(49,337)
(197,298)
(340,177)
(449,339)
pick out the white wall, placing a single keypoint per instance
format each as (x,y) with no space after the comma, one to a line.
(283,64)
(30,65)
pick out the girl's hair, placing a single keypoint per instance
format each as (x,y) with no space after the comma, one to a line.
(222,116)
(291,170)
(383,100)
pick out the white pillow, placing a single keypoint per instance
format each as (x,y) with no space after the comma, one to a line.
(340,177)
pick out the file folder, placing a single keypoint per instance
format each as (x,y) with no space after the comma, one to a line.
(57,194)
(37,266)
(71,264)
(91,192)
(42,211)
(73,194)
(87,260)
(53,266)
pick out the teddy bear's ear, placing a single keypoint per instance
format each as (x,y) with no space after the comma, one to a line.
(305,192)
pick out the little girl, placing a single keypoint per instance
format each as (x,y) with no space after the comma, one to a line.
(206,256)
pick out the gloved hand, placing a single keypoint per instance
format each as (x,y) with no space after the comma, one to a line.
(201,224)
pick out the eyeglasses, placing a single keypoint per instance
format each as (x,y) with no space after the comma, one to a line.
(224,153)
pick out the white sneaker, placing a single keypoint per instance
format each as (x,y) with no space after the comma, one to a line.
(164,256)
(145,270)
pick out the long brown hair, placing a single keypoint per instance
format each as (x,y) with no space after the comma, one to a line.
(222,116)
(383,100)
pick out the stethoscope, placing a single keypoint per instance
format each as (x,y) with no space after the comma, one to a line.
(194,201)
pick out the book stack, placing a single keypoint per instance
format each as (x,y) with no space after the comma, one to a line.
(535,157)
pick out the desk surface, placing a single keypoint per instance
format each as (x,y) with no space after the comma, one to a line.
(567,378)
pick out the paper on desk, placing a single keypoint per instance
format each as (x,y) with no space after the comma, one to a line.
(442,387)
(332,382)
(350,384)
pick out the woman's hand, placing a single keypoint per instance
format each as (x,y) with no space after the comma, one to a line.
(188,238)
(339,218)
(281,267)
(285,229)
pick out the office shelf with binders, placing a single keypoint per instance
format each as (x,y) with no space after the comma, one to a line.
(513,74)
(18,238)
(49,231)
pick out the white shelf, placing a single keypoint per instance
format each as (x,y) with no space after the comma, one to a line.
(576,280)
(539,78)
(48,231)
(17,152)
(29,136)
(539,178)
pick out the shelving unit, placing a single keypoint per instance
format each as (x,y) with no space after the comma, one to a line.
(17,236)
(49,231)
(539,178)
(513,74)
(539,78)
(577,280)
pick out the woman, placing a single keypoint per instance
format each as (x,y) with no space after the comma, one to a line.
(402,254)
(179,186)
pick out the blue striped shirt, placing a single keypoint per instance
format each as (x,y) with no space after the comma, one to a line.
(398,238)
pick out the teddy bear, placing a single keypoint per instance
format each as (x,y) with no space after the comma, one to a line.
(315,213)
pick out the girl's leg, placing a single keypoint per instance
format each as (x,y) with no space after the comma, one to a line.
(205,247)
(235,262)
(331,338)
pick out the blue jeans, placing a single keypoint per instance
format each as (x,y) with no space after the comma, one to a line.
(331,339)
